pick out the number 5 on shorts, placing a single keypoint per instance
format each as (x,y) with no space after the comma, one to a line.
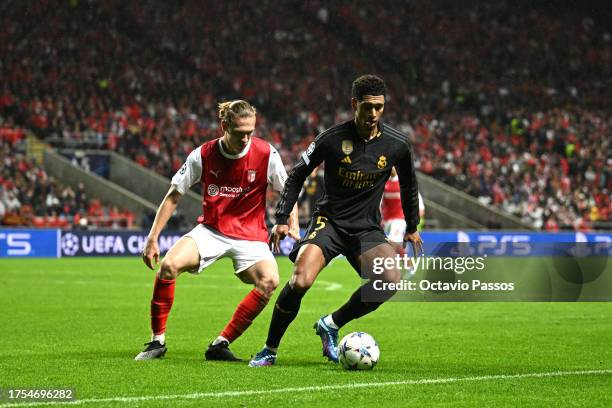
(320,223)
(319,226)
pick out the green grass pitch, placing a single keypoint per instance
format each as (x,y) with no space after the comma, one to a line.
(80,322)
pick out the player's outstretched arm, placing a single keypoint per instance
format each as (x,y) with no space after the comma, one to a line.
(164,212)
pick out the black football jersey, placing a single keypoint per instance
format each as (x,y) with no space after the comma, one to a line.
(356,171)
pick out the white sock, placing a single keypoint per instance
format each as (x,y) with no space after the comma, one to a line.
(330,322)
(272,349)
(219,340)
(159,337)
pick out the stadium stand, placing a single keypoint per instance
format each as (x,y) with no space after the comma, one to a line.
(28,197)
(506,105)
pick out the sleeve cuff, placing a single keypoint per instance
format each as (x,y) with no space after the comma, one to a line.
(178,188)
(282,219)
(411,229)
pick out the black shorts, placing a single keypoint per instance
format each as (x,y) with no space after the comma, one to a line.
(334,241)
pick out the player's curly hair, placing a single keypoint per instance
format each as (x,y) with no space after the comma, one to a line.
(368,85)
(230,110)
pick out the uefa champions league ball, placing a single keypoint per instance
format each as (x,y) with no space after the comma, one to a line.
(358,351)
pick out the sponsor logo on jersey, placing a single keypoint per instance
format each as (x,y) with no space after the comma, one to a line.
(347,147)
(251,174)
(346,160)
(357,179)
(215,173)
(382,162)
(213,190)
(227,191)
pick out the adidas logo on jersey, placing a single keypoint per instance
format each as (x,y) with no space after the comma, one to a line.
(346,160)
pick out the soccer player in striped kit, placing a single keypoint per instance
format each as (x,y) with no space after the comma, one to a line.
(235,171)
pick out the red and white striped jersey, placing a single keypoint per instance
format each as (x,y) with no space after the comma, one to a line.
(234,186)
(392,204)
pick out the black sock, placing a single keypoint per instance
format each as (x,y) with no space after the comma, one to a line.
(285,310)
(355,307)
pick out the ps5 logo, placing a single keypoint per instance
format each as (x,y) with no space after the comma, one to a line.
(495,244)
(17,243)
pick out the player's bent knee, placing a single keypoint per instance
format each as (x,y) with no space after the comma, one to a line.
(301,286)
(169,269)
(301,282)
(308,264)
(273,282)
(267,285)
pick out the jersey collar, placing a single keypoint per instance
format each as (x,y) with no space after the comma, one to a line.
(234,156)
(381,129)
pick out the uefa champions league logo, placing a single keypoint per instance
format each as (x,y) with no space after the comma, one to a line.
(311,149)
(70,244)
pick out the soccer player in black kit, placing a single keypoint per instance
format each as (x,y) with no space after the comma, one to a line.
(358,156)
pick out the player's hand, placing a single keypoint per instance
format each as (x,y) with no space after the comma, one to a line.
(415,240)
(151,253)
(279,232)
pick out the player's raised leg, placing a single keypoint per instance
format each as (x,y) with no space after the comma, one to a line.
(183,256)
(264,276)
(356,306)
(308,264)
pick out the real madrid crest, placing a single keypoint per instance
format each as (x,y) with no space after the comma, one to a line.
(382,162)
(347,147)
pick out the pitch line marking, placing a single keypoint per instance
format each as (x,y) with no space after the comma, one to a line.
(331,286)
(202,395)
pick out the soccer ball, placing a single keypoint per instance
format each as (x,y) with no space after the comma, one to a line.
(358,351)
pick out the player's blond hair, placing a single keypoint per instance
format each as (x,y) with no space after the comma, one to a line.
(230,110)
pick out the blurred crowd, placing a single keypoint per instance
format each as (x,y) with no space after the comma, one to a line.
(507,101)
(552,169)
(29,197)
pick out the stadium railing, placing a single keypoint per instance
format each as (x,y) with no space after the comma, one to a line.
(57,166)
(467,206)
(149,185)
